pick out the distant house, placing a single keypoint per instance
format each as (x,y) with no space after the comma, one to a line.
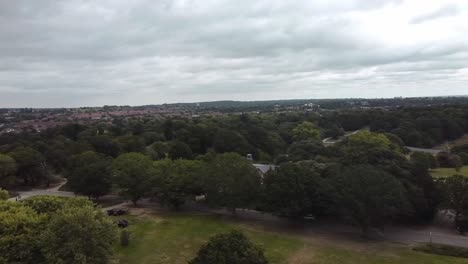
(264,168)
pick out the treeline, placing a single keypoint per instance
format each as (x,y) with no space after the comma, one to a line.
(417,127)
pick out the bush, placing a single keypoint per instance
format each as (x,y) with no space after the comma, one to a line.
(233,248)
(444,250)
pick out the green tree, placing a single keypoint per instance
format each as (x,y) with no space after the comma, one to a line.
(90,174)
(305,131)
(296,190)
(178,181)
(20,229)
(105,145)
(456,194)
(133,173)
(7,170)
(78,235)
(158,150)
(49,205)
(368,196)
(4,195)
(367,139)
(232,181)
(227,140)
(30,164)
(233,248)
(179,150)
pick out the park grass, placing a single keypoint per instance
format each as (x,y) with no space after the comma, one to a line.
(446,172)
(175,239)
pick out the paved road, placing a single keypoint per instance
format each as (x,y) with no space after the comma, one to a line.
(54,191)
(441,233)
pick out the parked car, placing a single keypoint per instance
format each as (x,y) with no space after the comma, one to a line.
(117,211)
(123,223)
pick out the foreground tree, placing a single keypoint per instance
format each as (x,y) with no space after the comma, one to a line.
(368,196)
(232,182)
(7,170)
(133,172)
(20,229)
(90,174)
(232,248)
(4,195)
(79,235)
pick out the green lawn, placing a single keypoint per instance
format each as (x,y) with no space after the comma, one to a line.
(445,172)
(175,240)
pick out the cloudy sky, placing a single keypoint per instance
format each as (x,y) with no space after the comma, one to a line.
(86,53)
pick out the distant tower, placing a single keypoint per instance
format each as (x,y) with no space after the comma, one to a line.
(249,157)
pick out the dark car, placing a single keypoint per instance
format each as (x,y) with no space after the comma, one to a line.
(123,223)
(117,212)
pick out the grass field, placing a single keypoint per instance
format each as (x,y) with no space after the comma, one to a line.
(175,240)
(445,172)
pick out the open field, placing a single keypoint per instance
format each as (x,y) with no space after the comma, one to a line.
(174,239)
(446,172)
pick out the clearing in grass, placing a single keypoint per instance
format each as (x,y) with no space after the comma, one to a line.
(447,172)
(175,239)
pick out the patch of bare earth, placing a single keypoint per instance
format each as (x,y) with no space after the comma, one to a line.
(303,256)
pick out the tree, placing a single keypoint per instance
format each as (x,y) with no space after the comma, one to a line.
(424,161)
(7,170)
(4,195)
(105,145)
(20,229)
(305,131)
(133,172)
(179,150)
(30,164)
(230,141)
(305,150)
(78,235)
(158,150)
(49,205)
(232,181)
(368,196)
(177,181)
(296,190)
(90,174)
(367,139)
(233,248)
(456,194)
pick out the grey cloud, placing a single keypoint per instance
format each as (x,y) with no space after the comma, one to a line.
(80,52)
(445,11)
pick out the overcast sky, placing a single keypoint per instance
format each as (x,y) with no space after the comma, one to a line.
(87,53)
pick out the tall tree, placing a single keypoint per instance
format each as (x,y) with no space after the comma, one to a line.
(90,174)
(133,172)
(7,170)
(368,196)
(178,181)
(30,164)
(456,194)
(78,235)
(232,181)
(296,190)
(306,131)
